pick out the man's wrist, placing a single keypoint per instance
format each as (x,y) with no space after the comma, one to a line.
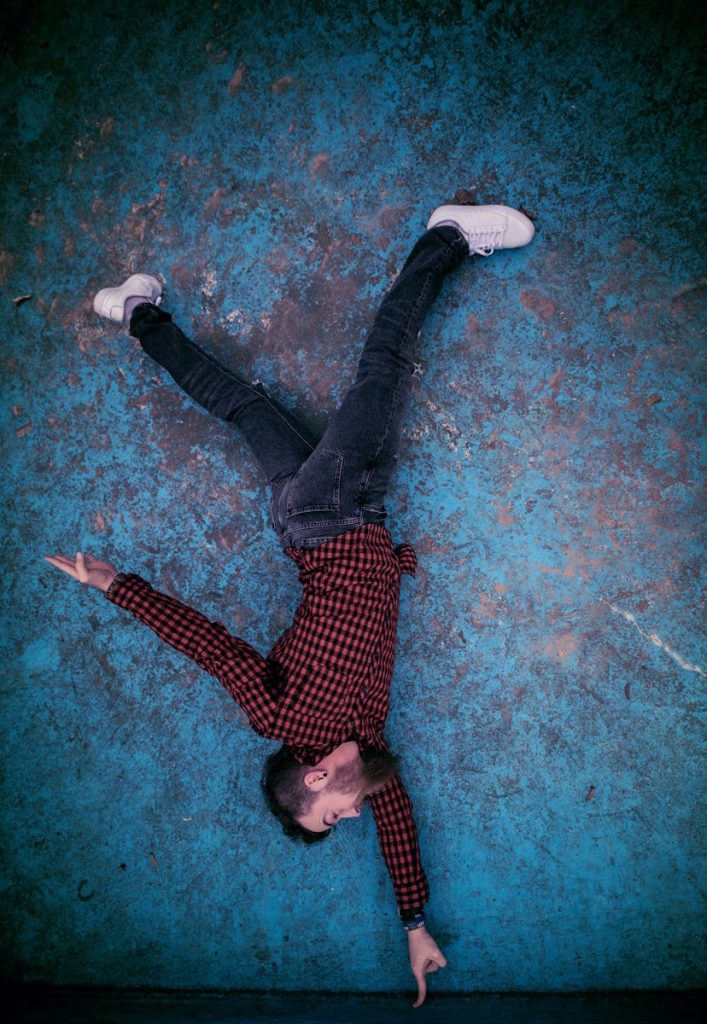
(118,578)
(413,919)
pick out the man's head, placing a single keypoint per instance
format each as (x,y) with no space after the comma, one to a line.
(309,800)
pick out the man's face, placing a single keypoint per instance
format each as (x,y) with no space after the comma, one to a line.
(342,788)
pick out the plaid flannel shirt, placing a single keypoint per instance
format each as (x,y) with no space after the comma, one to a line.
(326,680)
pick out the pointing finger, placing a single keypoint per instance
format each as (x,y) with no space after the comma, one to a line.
(63,563)
(421,990)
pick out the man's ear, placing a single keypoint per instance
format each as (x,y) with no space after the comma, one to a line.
(316,780)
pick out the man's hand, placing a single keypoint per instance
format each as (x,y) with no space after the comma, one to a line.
(425,957)
(86,569)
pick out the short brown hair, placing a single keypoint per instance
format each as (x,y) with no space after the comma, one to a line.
(287,796)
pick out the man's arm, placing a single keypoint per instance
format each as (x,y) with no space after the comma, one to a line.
(397,834)
(243,672)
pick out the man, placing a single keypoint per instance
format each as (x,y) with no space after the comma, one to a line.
(323,691)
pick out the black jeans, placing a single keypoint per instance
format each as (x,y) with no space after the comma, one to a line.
(321,489)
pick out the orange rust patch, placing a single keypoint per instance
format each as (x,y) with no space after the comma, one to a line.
(212,204)
(561,645)
(283,84)
(505,517)
(542,305)
(237,80)
(627,246)
(319,164)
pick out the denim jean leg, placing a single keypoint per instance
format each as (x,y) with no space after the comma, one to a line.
(280,444)
(344,482)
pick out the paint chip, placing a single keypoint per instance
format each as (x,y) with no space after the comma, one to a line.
(283,84)
(236,80)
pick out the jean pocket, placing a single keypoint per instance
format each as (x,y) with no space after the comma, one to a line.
(316,487)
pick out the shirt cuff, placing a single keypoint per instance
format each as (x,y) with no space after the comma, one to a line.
(125,588)
(117,579)
(411,924)
(409,913)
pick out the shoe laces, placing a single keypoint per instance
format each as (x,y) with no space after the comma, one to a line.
(485,240)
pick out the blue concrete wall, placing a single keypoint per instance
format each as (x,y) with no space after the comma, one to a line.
(274,163)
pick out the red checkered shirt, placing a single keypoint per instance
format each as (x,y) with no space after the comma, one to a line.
(326,680)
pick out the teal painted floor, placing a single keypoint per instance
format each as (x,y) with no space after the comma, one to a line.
(274,163)
(91,1007)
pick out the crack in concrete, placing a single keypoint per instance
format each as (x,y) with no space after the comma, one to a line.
(655,639)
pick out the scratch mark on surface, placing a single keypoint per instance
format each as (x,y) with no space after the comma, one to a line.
(544,849)
(655,639)
(81,893)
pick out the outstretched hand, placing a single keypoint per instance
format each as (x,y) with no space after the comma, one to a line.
(85,568)
(425,957)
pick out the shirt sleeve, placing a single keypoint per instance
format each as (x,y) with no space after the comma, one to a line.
(407,559)
(242,671)
(397,835)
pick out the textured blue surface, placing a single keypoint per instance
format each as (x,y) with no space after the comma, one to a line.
(274,164)
(89,1006)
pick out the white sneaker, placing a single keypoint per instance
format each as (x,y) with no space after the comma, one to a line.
(110,302)
(486,228)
